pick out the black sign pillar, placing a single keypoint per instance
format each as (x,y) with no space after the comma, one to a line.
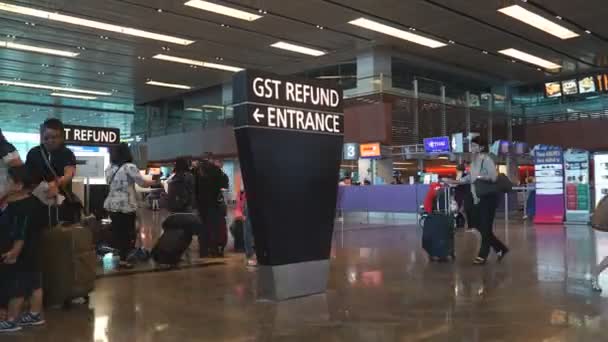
(289,134)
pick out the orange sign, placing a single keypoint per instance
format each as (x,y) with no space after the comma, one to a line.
(370,150)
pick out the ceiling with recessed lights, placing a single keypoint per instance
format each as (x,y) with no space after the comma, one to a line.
(102,57)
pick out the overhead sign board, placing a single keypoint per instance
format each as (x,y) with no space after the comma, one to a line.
(437,145)
(372,150)
(92,136)
(276,102)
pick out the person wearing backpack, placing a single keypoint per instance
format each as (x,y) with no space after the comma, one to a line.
(180,189)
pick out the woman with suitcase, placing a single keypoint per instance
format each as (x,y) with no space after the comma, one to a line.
(121,203)
(482,175)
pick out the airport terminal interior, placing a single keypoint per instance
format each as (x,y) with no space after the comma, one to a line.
(312,170)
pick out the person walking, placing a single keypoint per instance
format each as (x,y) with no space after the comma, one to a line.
(483,172)
(483,169)
(121,203)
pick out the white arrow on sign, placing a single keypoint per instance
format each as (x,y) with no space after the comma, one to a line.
(257,116)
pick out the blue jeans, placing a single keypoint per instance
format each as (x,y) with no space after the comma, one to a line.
(248,235)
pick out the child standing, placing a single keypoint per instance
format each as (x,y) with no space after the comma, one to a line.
(12,235)
(26,274)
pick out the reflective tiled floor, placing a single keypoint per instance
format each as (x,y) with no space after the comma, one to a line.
(381,289)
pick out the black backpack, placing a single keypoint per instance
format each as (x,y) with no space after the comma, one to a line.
(179,196)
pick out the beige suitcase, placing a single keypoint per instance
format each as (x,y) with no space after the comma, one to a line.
(68,264)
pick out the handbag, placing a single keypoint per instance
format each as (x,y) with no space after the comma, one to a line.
(485,187)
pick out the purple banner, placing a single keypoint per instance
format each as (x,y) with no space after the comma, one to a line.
(382,198)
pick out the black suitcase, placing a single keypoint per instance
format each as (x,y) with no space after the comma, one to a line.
(171,246)
(438,231)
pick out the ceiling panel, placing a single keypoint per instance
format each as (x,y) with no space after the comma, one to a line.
(124,63)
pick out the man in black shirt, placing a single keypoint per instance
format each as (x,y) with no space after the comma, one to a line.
(56,179)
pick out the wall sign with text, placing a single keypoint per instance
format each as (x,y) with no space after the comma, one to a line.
(285,103)
(370,150)
(351,151)
(96,136)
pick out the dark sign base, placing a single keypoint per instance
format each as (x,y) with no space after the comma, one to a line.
(290,281)
(291,180)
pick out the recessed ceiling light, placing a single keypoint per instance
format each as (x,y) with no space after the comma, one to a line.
(395,32)
(23,47)
(535,20)
(587,32)
(53,88)
(168,85)
(74,96)
(298,48)
(223,10)
(526,57)
(197,63)
(68,19)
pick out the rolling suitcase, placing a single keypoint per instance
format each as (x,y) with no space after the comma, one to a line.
(438,230)
(68,263)
(171,246)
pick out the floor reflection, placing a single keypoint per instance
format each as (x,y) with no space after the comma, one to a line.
(381,288)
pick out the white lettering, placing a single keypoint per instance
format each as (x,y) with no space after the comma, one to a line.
(271,116)
(282,118)
(268,88)
(336,124)
(77,135)
(320,123)
(335,99)
(112,137)
(298,97)
(300,120)
(289,91)
(310,123)
(275,90)
(67,133)
(258,89)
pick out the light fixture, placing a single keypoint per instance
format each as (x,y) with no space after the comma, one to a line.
(168,85)
(192,109)
(298,48)
(31,48)
(535,20)
(223,10)
(197,63)
(395,32)
(53,88)
(74,96)
(526,57)
(68,19)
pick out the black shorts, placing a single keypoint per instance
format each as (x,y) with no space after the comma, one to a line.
(27,282)
(8,284)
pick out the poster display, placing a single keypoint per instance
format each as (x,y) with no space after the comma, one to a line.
(601,176)
(578,198)
(549,171)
